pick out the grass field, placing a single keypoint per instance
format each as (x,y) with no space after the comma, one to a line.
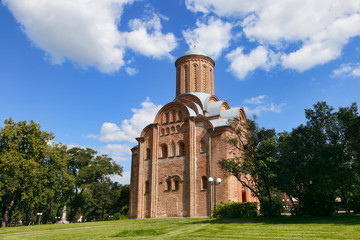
(339,227)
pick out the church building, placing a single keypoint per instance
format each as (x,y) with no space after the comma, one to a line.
(177,154)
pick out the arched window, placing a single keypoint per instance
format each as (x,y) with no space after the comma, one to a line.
(148,153)
(167,131)
(147,187)
(204,77)
(172,130)
(164,151)
(167,117)
(168,185)
(173,116)
(195,77)
(186,79)
(162,132)
(176,184)
(204,183)
(181,147)
(202,146)
(180,116)
(178,129)
(244,195)
(172,149)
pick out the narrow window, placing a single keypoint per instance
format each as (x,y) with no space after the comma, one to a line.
(202,146)
(181,147)
(148,153)
(243,195)
(186,79)
(147,187)
(173,116)
(168,185)
(180,116)
(162,132)
(167,118)
(172,153)
(164,151)
(204,78)
(176,184)
(195,80)
(204,183)
(172,130)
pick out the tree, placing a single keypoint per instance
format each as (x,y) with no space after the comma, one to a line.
(22,149)
(88,170)
(255,165)
(315,161)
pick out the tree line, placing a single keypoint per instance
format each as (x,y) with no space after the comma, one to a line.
(315,164)
(38,176)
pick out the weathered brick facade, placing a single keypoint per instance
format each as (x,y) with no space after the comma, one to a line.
(177,154)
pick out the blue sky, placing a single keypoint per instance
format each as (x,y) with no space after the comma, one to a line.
(96,72)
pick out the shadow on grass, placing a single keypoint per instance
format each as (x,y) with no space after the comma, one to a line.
(139,233)
(337,219)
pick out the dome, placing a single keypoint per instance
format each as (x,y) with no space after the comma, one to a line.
(194,51)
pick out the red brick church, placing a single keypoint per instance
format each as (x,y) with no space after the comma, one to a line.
(177,154)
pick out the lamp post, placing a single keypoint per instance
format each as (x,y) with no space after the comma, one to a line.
(212,182)
(39,217)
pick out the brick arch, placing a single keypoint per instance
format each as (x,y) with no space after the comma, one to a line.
(242,115)
(147,131)
(168,108)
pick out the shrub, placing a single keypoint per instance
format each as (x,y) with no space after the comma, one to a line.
(119,216)
(235,210)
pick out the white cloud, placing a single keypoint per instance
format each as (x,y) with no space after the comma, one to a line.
(305,32)
(118,152)
(131,71)
(92,136)
(86,32)
(124,179)
(147,39)
(130,128)
(212,37)
(255,100)
(347,70)
(242,64)
(261,106)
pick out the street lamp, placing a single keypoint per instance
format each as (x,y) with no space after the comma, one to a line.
(212,182)
(39,214)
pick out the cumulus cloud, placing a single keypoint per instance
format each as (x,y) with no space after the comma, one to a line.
(255,100)
(130,128)
(86,32)
(131,71)
(124,179)
(305,33)
(118,152)
(212,36)
(241,64)
(347,70)
(260,105)
(147,39)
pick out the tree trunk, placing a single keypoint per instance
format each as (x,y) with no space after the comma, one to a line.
(8,207)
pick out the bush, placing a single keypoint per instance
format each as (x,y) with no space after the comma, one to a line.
(235,210)
(119,216)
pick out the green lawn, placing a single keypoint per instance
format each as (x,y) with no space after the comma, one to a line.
(339,227)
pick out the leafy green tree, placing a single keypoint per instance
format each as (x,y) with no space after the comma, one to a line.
(256,164)
(349,125)
(23,147)
(89,170)
(315,163)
